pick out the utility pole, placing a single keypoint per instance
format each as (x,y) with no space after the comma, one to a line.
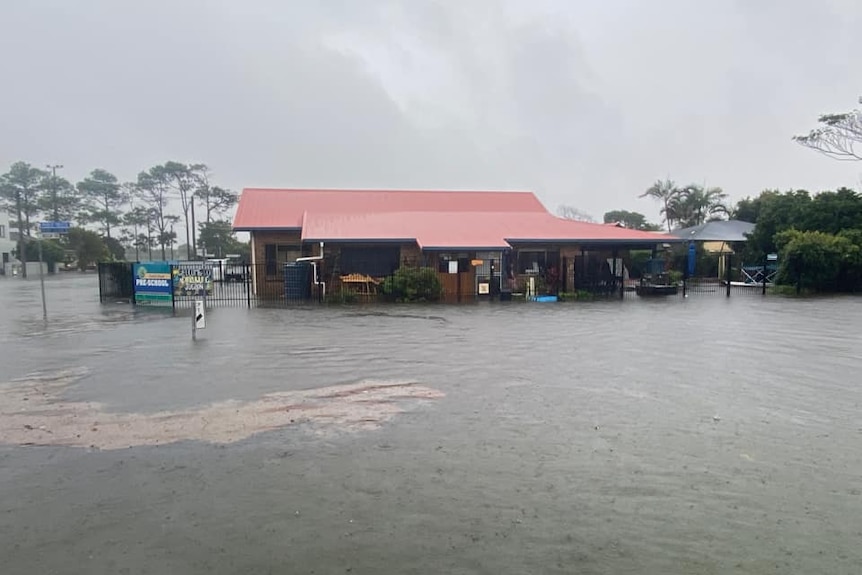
(54,211)
(42,282)
(194,241)
(135,225)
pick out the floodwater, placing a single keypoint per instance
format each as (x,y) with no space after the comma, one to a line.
(703,435)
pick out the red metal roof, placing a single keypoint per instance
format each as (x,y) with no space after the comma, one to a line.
(283,208)
(428,229)
(434,220)
(463,230)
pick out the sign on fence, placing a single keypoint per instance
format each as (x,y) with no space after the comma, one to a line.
(153,284)
(191,279)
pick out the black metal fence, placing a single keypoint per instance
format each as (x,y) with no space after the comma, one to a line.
(261,285)
(116,282)
(227,284)
(730,277)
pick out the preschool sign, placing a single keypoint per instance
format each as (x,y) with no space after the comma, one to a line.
(153,283)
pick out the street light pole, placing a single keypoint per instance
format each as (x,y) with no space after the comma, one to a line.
(194,241)
(135,225)
(42,282)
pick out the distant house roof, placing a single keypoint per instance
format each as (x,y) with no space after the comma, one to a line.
(434,220)
(718,231)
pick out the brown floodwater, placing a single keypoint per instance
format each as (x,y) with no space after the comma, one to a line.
(698,435)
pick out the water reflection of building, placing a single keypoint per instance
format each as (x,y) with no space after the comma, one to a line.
(480,243)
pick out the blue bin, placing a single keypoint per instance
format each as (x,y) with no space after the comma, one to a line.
(297,281)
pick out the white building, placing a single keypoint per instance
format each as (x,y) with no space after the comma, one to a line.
(7,244)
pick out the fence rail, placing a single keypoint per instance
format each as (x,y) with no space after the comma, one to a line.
(262,285)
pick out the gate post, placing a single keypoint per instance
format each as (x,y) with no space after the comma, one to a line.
(248,285)
(765,263)
(729,263)
(100,268)
(130,275)
(173,295)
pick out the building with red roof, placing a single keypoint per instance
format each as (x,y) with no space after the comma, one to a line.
(481,242)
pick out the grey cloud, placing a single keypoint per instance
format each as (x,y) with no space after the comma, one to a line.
(586,103)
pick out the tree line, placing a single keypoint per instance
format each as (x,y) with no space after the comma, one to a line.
(681,207)
(138,215)
(818,237)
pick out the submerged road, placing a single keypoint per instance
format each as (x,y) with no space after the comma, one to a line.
(703,435)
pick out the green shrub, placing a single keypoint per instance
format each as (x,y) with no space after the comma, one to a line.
(410,284)
(823,262)
(674,277)
(787,290)
(580,295)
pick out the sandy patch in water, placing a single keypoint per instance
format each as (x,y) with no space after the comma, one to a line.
(33,412)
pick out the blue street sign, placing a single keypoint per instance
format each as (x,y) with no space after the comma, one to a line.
(54,227)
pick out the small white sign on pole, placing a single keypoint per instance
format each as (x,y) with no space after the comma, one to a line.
(200,314)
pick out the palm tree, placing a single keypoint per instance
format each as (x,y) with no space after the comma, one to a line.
(695,205)
(667,193)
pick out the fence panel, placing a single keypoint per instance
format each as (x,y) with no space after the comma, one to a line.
(116,281)
(226,284)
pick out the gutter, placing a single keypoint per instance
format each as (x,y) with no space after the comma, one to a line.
(314,260)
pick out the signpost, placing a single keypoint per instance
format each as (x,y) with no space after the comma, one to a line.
(48,231)
(199,315)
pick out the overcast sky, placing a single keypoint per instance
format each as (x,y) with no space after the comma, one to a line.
(585,103)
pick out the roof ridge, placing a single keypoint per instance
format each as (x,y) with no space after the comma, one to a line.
(393,190)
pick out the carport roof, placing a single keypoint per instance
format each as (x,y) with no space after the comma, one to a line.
(717,231)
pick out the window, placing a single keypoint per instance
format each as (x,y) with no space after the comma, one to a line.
(2,231)
(532,262)
(276,255)
(537,261)
(463,259)
(371,261)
